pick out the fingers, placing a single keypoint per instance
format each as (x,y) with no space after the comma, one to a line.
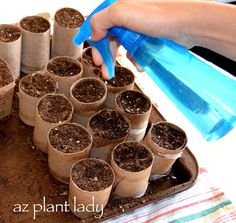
(98,59)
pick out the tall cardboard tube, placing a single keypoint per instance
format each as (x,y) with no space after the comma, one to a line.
(42,127)
(89,68)
(6,89)
(35,51)
(138,121)
(65,82)
(78,196)
(62,39)
(84,110)
(60,163)
(130,183)
(102,147)
(28,104)
(11,51)
(163,158)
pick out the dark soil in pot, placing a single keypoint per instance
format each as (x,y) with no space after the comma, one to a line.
(122,78)
(5,74)
(69,18)
(132,156)
(92,175)
(88,91)
(63,67)
(167,136)
(37,85)
(9,33)
(35,24)
(133,102)
(69,138)
(54,109)
(109,124)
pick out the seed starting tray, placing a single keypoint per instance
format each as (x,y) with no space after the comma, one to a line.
(25,180)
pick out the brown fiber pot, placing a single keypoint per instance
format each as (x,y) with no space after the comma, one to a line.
(129,103)
(65,82)
(132,163)
(7,85)
(83,109)
(61,161)
(11,50)
(42,127)
(63,34)
(81,196)
(28,103)
(108,128)
(165,157)
(35,51)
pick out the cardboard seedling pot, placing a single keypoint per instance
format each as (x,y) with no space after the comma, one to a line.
(35,51)
(108,128)
(132,163)
(136,107)
(28,100)
(43,124)
(67,22)
(173,142)
(82,197)
(89,68)
(63,65)
(123,80)
(87,96)
(7,85)
(61,157)
(10,47)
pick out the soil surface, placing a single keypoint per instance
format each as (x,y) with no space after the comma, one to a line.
(69,138)
(123,77)
(92,175)
(109,124)
(35,24)
(37,85)
(167,136)
(9,33)
(69,18)
(54,108)
(5,74)
(132,156)
(133,102)
(88,91)
(62,66)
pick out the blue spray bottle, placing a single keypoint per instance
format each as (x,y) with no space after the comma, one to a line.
(206,96)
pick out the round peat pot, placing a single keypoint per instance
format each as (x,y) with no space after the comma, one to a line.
(132,163)
(65,71)
(91,182)
(52,109)
(136,107)
(67,144)
(31,88)
(67,22)
(108,129)
(167,142)
(87,96)
(10,47)
(35,50)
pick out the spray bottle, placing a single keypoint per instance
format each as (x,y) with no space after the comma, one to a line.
(205,95)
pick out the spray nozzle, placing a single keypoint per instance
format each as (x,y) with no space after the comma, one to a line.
(102,45)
